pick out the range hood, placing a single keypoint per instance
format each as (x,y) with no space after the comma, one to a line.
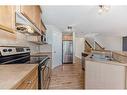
(25,26)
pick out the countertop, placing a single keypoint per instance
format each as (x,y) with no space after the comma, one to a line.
(40,53)
(11,75)
(104,61)
(123,53)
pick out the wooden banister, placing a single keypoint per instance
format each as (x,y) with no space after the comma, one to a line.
(96,43)
(88,44)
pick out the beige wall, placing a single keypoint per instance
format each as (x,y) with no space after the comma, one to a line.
(17,39)
(110,42)
(79,47)
(46,48)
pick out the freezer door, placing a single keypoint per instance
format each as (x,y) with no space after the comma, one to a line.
(67,52)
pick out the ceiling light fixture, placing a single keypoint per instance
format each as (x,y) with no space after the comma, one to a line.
(103,9)
(69,28)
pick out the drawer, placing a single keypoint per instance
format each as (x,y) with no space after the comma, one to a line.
(30,81)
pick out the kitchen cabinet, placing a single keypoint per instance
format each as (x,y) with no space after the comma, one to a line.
(37,16)
(33,13)
(19,76)
(30,81)
(28,11)
(100,75)
(7,18)
(42,28)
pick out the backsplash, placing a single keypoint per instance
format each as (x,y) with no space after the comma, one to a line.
(17,39)
(46,48)
(119,57)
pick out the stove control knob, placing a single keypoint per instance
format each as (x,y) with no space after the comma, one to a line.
(9,50)
(4,50)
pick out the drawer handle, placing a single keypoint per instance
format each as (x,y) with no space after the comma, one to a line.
(29,82)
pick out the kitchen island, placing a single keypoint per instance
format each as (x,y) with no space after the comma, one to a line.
(104,73)
(19,76)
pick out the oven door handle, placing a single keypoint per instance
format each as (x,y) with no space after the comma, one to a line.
(44,60)
(43,67)
(15,60)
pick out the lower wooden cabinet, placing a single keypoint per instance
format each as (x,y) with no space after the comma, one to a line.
(30,81)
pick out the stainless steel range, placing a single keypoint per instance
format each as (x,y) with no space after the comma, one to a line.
(21,55)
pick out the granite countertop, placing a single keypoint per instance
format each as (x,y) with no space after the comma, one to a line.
(106,62)
(99,60)
(123,53)
(11,75)
(40,53)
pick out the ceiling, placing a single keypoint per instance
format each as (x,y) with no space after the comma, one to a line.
(86,20)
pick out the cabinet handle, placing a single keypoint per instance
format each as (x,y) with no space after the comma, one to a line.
(29,82)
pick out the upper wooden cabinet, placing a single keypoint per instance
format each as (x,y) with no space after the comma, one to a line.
(42,28)
(7,18)
(37,16)
(33,13)
(28,11)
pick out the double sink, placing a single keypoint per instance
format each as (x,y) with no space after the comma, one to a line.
(101,57)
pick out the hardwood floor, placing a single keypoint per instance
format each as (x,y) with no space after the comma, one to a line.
(67,76)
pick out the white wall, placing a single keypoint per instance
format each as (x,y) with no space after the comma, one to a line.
(110,42)
(54,37)
(79,46)
(74,46)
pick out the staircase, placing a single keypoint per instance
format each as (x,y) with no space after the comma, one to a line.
(98,47)
(89,47)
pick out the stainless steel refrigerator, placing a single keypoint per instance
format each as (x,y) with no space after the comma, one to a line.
(67,51)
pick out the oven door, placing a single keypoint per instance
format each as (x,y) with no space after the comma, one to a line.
(15,59)
(45,74)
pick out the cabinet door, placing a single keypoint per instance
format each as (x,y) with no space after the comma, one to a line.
(42,28)
(37,16)
(35,84)
(7,18)
(28,11)
(32,13)
(104,76)
(30,81)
